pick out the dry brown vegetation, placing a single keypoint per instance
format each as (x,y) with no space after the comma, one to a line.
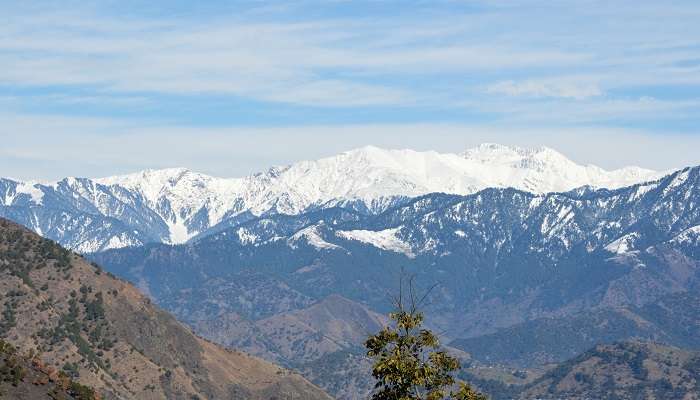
(102,332)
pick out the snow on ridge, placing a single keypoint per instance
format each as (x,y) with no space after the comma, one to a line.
(690,235)
(371,172)
(623,244)
(118,241)
(385,240)
(122,240)
(178,194)
(678,180)
(642,190)
(30,188)
(312,237)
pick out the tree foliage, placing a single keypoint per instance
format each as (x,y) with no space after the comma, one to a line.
(408,361)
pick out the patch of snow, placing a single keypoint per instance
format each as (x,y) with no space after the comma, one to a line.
(678,180)
(690,235)
(178,232)
(544,228)
(88,246)
(246,237)
(642,190)
(30,188)
(385,240)
(623,244)
(312,237)
(121,241)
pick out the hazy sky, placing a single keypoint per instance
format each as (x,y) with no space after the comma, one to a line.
(230,88)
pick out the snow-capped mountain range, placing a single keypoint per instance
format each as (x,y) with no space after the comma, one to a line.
(176,205)
(500,257)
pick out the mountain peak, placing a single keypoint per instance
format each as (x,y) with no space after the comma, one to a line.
(368,149)
(155,176)
(177,204)
(498,153)
(380,156)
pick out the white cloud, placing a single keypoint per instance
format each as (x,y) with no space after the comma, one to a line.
(370,60)
(569,88)
(554,112)
(293,62)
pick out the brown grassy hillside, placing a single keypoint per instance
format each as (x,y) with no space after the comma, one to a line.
(104,333)
(625,370)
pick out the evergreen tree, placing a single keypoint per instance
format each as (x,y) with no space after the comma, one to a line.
(408,362)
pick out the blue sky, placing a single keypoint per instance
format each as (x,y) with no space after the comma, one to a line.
(229,88)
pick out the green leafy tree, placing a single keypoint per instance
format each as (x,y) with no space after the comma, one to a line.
(408,361)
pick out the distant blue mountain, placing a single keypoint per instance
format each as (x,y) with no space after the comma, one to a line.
(500,256)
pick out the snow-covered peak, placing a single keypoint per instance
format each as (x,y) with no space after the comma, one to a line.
(368,174)
(497,153)
(188,203)
(152,182)
(29,190)
(179,196)
(543,169)
(371,172)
